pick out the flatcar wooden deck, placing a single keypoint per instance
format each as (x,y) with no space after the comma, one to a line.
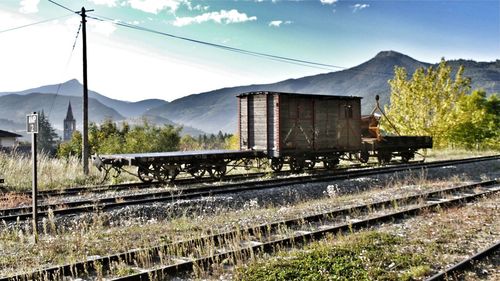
(163,166)
(178,156)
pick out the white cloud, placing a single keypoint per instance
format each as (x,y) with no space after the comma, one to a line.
(109,3)
(277,23)
(198,7)
(39,55)
(328,2)
(156,6)
(29,6)
(232,16)
(359,7)
(103,27)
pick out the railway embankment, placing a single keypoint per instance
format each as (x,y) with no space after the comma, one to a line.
(77,238)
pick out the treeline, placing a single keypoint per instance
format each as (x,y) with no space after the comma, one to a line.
(433,102)
(111,138)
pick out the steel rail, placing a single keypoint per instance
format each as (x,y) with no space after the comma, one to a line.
(236,177)
(465,264)
(104,262)
(299,237)
(76,207)
(178,182)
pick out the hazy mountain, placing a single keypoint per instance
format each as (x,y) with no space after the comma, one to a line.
(14,107)
(74,88)
(11,126)
(217,110)
(186,130)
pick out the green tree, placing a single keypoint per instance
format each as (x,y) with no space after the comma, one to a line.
(46,137)
(478,121)
(233,142)
(149,138)
(109,138)
(187,142)
(426,103)
(72,147)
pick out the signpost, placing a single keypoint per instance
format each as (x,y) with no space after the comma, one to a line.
(32,128)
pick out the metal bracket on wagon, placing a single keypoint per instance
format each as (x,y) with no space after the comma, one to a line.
(97,162)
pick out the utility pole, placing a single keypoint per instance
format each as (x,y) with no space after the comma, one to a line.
(85,136)
(32,126)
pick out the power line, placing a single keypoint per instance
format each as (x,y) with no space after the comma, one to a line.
(65,69)
(289,60)
(220,46)
(62,6)
(35,23)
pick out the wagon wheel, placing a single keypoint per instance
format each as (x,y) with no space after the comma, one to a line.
(198,173)
(364,156)
(331,163)
(173,172)
(296,165)
(195,170)
(162,172)
(276,164)
(309,164)
(145,174)
(218,171)
(384,157)
(406,156)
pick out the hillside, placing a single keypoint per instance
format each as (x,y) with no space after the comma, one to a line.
(14,107)
(73,88)
(217,110)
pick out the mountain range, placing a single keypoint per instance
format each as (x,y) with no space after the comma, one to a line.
(217,110)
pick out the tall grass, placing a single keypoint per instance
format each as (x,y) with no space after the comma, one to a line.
(53,173)
(457,153)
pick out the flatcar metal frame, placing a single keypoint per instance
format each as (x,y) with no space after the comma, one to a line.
(277,129)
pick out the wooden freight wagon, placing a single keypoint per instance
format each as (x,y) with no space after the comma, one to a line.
(299,129)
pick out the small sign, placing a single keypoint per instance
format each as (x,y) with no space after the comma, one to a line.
(32,123)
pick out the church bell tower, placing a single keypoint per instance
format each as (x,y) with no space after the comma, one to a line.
(69,124)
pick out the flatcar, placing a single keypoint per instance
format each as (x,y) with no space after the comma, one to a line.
(276,128)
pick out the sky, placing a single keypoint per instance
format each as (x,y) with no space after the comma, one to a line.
(130,64)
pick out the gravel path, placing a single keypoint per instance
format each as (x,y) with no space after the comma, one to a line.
(283,197)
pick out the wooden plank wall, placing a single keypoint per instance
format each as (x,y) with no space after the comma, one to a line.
(270,123)
(297,124)
(274,122)
(319,124)
(243,122)
(257,115)
(326,120)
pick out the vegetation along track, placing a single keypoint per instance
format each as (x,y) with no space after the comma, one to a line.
(175,257)
(236,177)
(75,207)
(453,271)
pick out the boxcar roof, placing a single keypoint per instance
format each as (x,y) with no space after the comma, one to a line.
(297,94)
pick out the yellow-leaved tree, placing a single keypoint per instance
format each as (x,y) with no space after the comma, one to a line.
(425,104)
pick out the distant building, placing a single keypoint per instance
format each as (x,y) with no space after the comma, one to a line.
(8,139)
(69,124)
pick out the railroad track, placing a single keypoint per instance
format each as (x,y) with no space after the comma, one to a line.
(81,206)
(176,257)
(179,182)
(452,271)
(229,178)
